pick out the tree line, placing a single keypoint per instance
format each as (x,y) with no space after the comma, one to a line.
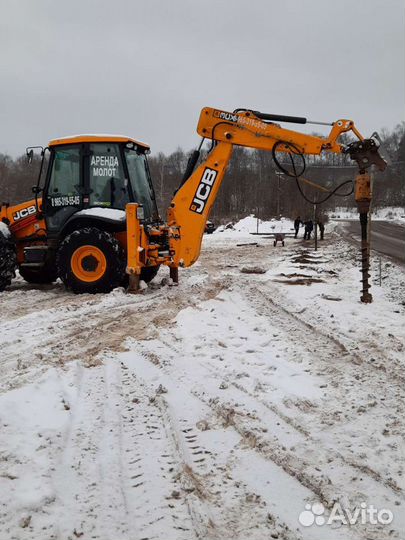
(253,184)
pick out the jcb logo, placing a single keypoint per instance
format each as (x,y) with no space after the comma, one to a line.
(24,212)
(203,190)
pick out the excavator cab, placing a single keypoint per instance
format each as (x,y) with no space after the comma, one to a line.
(95,173)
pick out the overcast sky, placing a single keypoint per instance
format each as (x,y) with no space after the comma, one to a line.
(146,68)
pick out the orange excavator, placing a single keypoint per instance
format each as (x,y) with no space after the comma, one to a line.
(94,222)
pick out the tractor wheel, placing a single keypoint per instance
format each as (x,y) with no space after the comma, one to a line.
(8,261)
(90,261)
(44,275)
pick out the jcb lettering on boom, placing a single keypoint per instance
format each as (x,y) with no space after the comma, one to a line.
(24,212)
(203,190)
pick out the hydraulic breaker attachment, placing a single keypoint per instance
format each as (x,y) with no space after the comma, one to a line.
(363,198)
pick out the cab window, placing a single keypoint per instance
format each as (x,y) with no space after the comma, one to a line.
(65,176)
(108,185)
(141,182)
(63,194)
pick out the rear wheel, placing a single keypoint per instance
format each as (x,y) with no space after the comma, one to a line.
(91,261)
(44,275)
(8,261)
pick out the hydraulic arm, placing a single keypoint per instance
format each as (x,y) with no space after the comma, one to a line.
(191,205)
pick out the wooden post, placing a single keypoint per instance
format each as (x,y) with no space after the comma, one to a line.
(315,227)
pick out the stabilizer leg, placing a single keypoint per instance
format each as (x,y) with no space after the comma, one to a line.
(174,274)
(133,286)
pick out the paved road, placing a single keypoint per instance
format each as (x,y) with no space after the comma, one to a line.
(386,238)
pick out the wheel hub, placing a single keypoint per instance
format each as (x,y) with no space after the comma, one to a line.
(88,263)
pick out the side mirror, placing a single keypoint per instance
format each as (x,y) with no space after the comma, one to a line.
(30,152)
(36,189)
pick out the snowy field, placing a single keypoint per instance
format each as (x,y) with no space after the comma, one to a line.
(217,409)
(394,214)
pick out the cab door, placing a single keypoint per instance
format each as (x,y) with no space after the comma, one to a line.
(65,185)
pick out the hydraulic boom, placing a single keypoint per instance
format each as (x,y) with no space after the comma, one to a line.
(178,243)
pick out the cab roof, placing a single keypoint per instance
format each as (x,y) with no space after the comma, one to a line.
(89,138)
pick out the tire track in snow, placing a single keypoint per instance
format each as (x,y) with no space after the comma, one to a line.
(88,478)
(344,369)
(220,505)
(83,328)
(247,418)
(319,482)
(116,475)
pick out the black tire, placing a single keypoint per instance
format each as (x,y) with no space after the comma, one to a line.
(8,261)
(103,241)
(44,275)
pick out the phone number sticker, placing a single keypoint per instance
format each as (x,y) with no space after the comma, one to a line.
(71,200)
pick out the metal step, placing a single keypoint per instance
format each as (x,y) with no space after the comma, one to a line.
(32,265)
(35,254)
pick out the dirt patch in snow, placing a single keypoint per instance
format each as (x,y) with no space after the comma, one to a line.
(252,270)
(301,281)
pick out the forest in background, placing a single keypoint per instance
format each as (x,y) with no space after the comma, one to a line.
(252,184)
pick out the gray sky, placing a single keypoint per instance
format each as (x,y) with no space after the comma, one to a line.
(146,68)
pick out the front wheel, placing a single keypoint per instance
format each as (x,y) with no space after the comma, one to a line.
(91,261)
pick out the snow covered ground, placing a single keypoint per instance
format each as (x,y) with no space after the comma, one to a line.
(395,214)
(217,409)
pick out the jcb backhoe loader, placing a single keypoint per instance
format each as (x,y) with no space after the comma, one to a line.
(94,221)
